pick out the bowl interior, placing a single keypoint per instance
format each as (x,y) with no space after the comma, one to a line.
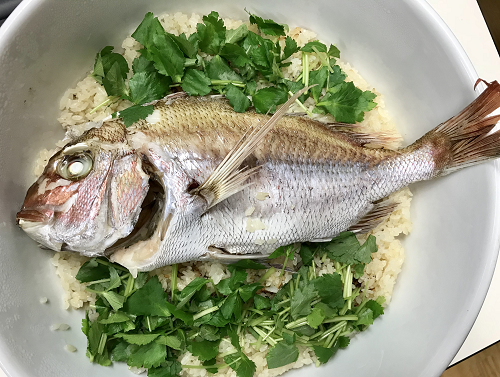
(402,48)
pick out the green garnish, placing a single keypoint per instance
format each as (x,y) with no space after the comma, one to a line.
(141,324)
(215,60)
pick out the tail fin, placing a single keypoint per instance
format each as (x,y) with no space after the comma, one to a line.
(467,135)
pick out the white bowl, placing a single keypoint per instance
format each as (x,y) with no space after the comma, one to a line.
(402,47)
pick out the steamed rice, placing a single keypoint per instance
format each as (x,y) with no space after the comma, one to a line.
(380,275)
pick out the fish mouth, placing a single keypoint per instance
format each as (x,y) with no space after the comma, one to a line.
(149,217)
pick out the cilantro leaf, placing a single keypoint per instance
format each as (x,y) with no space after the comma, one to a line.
(167,56)
(114,81)
(211,33)
(282,354)
(375,307)
(104,60)
(249,264)
(114,299)
(235,54)
(342,248)
(318,78)
(236,35)
(185,45)
(268,27)
(330,289)
(261,302)
(241,364)
(217,69)
(135,113)
(168,368)
(359,270)
(147,84)
(289,339)
(205,350)
(148,356)
(187,318)
(336,77)
(92,271)
(148,300)
(365,317)
(232,305)
(247,291)
(196,83)
(190,289)
(334,52)
(290,48)
(237,99)
(265,100)
(116,317)
(324,354)
(343,341)
(149,27)
(122,351)
(310,46)
(300,303)
(115,280)
(365,104)
(139,339)
(316,317)
(364,252)
(307,255)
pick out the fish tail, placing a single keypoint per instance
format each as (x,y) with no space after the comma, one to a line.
(466,139)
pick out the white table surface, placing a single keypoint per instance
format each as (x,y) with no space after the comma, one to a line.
(467,23)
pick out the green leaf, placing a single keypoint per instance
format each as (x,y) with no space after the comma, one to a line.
(211,34)
(104,60)
(218,320)
(343,248)
(122,351)
(115,280)
(261,302)
(232,305)
(146,30)
(234,338)
(345,102)
(364,252)
(171,341)
(359,270)
(114,81)
(290,48)
(135,113)
(247,291)
(375,307)
(318,78)
(146,86)
(187,318)
(330,289)
(343,341)
(321,47)
(282,354)
(148,300)
(208,332)
(289,338)
(235,54)
(139,339)
(279,252)
(268,27)
(208,363)
(315,318)
(334,52)
(92,271)
(324,354)
(300,303)
(190,289)
(115,300)
(168,58)
(265,100)
(336,77)
(205,350)
(116,317)
(328,310)
(196,83)
(365,317)
(241,364)
(236,35)
(238,100)
(185,45)
(217,69)
(249,264)
(306,254)
(148,356)
(168,368)
(365,104)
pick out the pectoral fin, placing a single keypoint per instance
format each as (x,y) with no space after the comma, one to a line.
(229,178)
(373,218)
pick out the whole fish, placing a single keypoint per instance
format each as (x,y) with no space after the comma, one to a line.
(197,181)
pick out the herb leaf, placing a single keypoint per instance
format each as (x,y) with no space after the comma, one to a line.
(282,354)
(149,300)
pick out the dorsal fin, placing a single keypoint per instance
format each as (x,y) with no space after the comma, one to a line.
(229,178)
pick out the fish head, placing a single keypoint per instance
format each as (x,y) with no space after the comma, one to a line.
(89,194)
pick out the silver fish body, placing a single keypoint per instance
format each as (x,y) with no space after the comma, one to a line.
(307,181)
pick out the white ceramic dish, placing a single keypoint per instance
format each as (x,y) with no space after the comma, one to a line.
(402,47)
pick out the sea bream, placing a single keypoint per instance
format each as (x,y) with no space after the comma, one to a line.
(197,181)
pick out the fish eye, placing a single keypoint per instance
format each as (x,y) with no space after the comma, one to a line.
(75,166)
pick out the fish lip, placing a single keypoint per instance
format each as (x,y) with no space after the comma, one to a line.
(32,216)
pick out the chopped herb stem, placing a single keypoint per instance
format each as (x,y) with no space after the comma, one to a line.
(106,263)
(205,312)
(173,286)
(268,273)
(104,103)
(332,330)
(341,318)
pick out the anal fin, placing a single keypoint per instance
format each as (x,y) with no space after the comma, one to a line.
(373,218)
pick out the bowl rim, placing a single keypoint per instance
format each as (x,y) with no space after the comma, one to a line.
(424,10)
